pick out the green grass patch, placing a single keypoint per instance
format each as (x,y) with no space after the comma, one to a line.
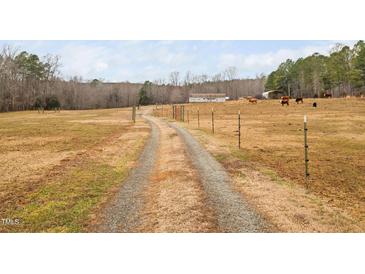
(240,154)
(221,157)
(275,177)
(65,204)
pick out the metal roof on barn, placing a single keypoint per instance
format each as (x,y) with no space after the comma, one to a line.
(208,95)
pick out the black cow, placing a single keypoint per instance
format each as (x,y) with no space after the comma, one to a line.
(299,99)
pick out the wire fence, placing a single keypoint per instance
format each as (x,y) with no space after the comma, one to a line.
(222,119)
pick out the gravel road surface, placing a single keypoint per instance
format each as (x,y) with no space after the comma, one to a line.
(122,215)
(230,211)
(233,213)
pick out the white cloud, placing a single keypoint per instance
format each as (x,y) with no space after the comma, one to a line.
(268,61)
(150,60)
(83,60)
(126,60)
(101,66)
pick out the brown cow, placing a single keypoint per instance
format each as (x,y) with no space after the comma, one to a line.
(285,100)
(252,100)
(327,95)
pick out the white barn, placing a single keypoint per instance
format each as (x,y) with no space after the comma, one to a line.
(207,97)
(273,94)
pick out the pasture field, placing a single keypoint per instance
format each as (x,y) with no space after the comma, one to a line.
(58,168)
(269,167)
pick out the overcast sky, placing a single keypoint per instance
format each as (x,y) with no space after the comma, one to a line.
(137,61)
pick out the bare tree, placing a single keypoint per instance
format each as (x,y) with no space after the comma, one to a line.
(27,80)
(174,78)
(188,78)
(231,73)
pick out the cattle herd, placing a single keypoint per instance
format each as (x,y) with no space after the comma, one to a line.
(284,100)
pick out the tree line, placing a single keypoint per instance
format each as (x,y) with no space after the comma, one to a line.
(341,73)
(25,79)
(151,92)
(28,81)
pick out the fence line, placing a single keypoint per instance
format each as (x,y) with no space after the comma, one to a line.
(179,113)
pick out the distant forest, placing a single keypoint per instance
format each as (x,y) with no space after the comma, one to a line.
(28,81)
(341,73)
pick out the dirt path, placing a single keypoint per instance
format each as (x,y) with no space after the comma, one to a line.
(178,187)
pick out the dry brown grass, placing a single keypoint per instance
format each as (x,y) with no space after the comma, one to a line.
(57,168)
(272,145)
(175,199)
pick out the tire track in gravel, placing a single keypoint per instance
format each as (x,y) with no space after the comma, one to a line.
(122,215)
(178,186)
(175,198)
(232,212)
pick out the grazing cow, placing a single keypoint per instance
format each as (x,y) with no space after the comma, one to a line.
(285,100)
(252,100)
(327,95)
(299,99)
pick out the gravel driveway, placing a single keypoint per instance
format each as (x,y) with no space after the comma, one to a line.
(231,212)
(123,214)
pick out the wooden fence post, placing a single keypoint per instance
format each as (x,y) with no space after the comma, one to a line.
(212,120)
(239,129)
(306,160)
(198,119)
(134,114)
